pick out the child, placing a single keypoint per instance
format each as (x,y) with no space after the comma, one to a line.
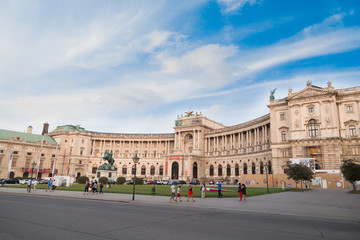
(172,193)
(178,194)
(190,194)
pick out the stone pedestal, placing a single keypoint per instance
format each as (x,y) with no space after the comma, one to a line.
(106,170)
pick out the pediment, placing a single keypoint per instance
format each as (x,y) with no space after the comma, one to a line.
(309,92)
(351,121)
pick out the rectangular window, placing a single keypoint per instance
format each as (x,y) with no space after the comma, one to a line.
(1,151)
(352,131)
(124,171)
(355,151)
(29,154)
(53,155)
(16,152)
(349,108)
(283,136)
(311,109)
(282,116)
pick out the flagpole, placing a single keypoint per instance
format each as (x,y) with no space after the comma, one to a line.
(38,163)
(68,163)
(62,168)
(56,152)
(10,163)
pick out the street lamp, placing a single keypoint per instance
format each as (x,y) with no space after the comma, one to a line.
(267,181)
(33,164)
(136,160)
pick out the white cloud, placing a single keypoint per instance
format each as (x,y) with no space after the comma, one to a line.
(231,6)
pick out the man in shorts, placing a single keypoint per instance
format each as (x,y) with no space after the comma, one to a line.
(178,194)
(172,193)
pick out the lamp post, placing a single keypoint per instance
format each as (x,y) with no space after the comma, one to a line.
(267,181)
(33,164)
(136,160)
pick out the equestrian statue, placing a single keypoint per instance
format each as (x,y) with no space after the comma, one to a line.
(108,157)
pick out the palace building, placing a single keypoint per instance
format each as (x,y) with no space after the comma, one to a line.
(317,123)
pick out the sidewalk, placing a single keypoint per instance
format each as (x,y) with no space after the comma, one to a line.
(337,204)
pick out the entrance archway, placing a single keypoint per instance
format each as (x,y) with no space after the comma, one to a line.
(195,170)
(175,170)
(12,175)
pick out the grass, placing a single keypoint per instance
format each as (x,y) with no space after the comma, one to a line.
(161,190)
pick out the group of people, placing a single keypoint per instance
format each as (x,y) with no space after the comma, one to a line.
(93,186)
(178,193)
(51,185)
(241,190)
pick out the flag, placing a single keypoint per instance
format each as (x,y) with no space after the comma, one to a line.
(53,169)
(10,162)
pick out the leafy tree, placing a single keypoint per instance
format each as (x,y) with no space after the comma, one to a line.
(82,179)
(120,180)
(351,171)
(104,180)
(299,172)
(139,181)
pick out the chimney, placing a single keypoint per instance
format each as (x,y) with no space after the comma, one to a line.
(45,129)
(29,129)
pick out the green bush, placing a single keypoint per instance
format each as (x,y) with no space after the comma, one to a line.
(82,179)
(139,181)
(120,180)
(104,180)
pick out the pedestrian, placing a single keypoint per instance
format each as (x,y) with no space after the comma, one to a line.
(172,193)
(240,191)
(178,195)
(29,186)
(203,189)
(243,190)
(219,190)
(53,185)
(94,187)
(101,188)
(35,183)
(190,194)
(48,187)
(86,190)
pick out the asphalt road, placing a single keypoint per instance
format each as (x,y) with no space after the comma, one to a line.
(36,217)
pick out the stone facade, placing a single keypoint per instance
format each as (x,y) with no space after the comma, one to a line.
(321,123)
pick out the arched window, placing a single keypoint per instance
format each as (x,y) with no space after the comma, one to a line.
(94,169)
(161,170)
(211,170)
(124,170)
(269,167)
(220,170)
(313,128)
(237,170)
(152,170)
(245,168)
(228,170)
(261,168)
(253,168)
(143,170)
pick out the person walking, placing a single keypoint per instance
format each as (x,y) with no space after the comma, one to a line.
(243,190)
(240,191)
(86,190)
(48,187)
(94,187)
(178,195)
(101,187)
(29,186)
(35,183)
(190,194)
(203,189)
(219,190)
(172,193)
(53,185)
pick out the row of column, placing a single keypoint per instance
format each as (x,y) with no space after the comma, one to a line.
(133,146)
(244,139)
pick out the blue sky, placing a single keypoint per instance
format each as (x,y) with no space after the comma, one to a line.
(133,66)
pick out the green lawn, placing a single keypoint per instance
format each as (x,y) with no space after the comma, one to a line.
(161,190)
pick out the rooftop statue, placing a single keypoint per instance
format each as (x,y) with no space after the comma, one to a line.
(272,92)
(108,157)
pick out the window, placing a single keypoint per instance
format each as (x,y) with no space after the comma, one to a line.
(79,161)
(282,116)
(143,170)
(283,136)
(253,168)
(313,128)
(311,109)
(237,170)
(211,170)
(94,169)
(352,130)
(42,154)
(228,170)
(161,170)
(1,151)
(133,169)
(355,151)
(124,170)
(81,152)
(220,170)
(152,170)
(51,155)
(83,141)
(29,154)
(261,168)
(349,108)
(245,168)
(16,152)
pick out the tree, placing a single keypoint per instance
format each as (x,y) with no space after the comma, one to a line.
(299,172)
(139,181)
(351,171)
(104,180)
(82,179)
(120,180)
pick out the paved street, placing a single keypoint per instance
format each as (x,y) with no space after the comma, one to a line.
(34,216)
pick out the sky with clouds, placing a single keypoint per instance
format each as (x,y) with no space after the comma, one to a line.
(133,66)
